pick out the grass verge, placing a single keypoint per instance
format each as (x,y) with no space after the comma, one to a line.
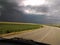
(6,28)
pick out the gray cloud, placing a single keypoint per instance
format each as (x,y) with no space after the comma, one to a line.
(55,8)
(54,11)
(21,7)
(13,9)
(9,10)
(36,9)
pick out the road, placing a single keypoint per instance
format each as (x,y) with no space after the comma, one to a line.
(48,34)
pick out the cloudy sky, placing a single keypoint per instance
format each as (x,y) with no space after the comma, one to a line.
(49,8)
(34,6)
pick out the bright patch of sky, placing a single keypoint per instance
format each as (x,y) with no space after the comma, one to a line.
(34,4)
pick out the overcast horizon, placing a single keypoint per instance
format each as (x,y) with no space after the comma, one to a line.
(41,11)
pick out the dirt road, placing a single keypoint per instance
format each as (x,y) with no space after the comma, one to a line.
(48,34)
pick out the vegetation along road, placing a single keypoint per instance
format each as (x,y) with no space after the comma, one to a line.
(16,27)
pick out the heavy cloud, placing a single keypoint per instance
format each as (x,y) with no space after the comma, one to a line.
(13,10)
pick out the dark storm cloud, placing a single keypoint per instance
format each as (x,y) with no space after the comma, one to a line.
(9,10)
(13,10)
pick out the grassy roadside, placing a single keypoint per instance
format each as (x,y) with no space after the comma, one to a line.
(6,28)
(14,33)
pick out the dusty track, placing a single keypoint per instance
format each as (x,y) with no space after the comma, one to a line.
(48,34)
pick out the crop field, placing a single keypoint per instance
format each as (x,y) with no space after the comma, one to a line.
(10,27)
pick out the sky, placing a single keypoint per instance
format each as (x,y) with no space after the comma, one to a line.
(34,7)
(47,7)
(50,7)
(15,8)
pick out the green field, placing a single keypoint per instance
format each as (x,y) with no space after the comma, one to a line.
(10,27)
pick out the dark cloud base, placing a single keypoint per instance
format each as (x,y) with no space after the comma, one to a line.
(40,19)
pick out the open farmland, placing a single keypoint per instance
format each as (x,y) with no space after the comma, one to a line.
(12,27)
